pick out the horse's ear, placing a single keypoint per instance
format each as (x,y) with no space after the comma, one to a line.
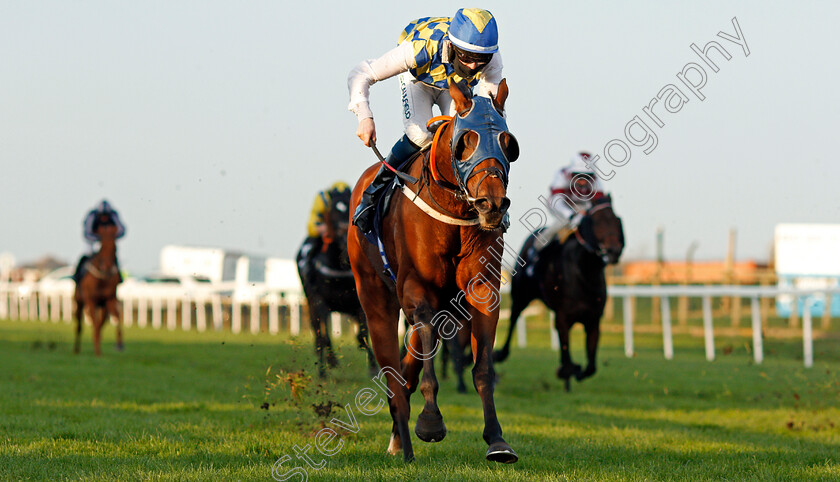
(501,96)
(461,95)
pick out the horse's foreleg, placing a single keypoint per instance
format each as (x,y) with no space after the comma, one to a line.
(97,316)
(483,332)
(382,315)
(593,333)
(430,426)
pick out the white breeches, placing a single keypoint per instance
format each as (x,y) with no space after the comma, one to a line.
(418,99)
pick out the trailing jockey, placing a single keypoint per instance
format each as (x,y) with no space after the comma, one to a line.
(316,227)
(430,51)
(572,193)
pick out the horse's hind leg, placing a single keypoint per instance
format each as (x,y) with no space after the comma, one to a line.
(363,337)
(317,315)
(113,308)
(79,315)
(456,351)
(517,307)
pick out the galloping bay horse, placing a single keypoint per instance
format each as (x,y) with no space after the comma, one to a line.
(438,238)
(568,277)
(329,285)
(96,291)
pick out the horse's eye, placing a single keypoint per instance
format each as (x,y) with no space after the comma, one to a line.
(466,145)
(510,146)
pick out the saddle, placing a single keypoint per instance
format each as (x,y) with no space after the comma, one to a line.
(381,204)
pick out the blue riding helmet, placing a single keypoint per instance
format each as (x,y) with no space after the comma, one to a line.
(489,124)
(474,30)
(104,207)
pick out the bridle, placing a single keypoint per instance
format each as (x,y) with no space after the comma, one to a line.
(483,119)
(598,250)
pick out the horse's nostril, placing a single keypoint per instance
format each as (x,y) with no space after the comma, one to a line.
(503,207)
(483,205)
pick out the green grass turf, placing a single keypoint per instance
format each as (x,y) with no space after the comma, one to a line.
(187,406)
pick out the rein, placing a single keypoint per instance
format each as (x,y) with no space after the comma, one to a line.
(415,198)
(335,273)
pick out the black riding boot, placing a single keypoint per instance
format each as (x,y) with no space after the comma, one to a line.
(401,152)
(77,275)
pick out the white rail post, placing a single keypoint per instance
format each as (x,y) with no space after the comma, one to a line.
(43,306)
(142,311)
(67,306)
(336,323)
(55,307)
(33,304)
(522,332)
(23,307)
(4,301)
(628,327)
(14,304)
(667,338)
(254,323)
(294,316)
(217,312)
(235,316)
(171,314)
(200,313)
(128,316)
(758,347)
(708,328)
(273,314)
(807,334)
(186,313)
(555,339)
(157,312)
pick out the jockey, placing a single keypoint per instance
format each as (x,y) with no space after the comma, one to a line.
(574,189)
(316,229)
(102,214)
(430,51)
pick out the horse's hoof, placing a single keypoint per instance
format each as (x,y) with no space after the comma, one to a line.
(332,361)
(120,347)
(567,371)
(430,427)
(585,374)
(462,389)
(501,452)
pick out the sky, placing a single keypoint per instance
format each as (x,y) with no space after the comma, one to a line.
(210,123)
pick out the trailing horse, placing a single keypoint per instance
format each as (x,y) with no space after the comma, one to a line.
(328,283)
(96,290)
(439,238)
(568,277)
